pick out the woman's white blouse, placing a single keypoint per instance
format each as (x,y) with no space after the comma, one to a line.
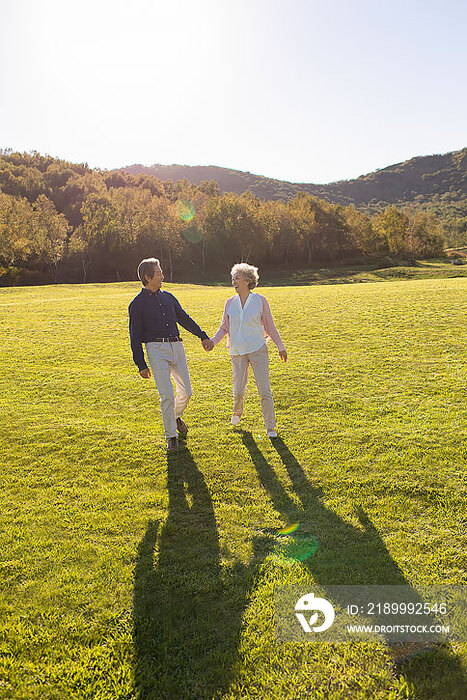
(247,327)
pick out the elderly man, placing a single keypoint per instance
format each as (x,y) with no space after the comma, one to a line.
(153,320)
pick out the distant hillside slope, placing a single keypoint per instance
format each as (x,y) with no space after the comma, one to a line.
(420,180)
(437,183)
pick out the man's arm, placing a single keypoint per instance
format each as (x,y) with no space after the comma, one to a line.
(136,333)
(187,322)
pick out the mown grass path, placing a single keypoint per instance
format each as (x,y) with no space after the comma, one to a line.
(126,574)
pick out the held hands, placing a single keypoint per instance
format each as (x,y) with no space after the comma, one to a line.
(207,344)
(145,373)
(283,355)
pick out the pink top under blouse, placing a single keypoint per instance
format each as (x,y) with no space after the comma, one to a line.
(247,328)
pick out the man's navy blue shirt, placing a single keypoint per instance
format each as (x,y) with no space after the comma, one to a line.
(155,315)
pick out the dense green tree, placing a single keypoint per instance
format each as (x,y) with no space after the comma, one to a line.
(167,228)
(304,207)
(76,190)
(113,219)
(80,246)
(16,230)
(193,209)
(20,180)
(49,234)
(409,233)
(99,230)
(209,188)
(424,233)
(362,235)
(392,225)
(234,228)
(283,233)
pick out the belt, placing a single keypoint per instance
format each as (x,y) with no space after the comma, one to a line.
(172,339)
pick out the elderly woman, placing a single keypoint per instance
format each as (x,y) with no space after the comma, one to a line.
(248,322)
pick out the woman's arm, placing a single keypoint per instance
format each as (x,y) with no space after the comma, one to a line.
(224,327)
(269,325)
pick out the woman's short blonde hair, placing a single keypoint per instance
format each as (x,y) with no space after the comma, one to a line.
(250,272)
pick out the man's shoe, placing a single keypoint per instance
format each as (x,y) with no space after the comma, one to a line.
(272,434)
(172,444)
(235,420)
(182,427)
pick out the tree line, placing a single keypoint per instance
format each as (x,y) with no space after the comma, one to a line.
(64,222)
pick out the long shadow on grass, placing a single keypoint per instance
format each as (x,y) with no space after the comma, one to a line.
(353,556)
(188,608)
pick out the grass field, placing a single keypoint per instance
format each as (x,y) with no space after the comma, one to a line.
(127,574)
(351,274)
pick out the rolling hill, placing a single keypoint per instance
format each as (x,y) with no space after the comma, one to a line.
(420,179)
(437,183)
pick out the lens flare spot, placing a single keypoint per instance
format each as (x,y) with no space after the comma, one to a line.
(185,209)
(289,529)
(193,232)
(298,547)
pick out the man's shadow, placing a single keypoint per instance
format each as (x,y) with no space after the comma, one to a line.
(349,555)
(188,603)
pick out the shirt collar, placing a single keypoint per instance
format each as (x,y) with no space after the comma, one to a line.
(246,300)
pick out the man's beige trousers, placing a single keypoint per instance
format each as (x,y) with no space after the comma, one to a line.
(259,361)
(166,360)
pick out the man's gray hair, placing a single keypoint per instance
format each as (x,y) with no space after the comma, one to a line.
(146,268)
(250,272)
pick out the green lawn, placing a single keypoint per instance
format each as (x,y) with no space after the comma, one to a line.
(126,574)
(350,274)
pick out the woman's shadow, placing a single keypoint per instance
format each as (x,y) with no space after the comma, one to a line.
(349,555)
(188,602)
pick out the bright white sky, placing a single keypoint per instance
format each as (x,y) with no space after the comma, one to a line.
(300,90)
